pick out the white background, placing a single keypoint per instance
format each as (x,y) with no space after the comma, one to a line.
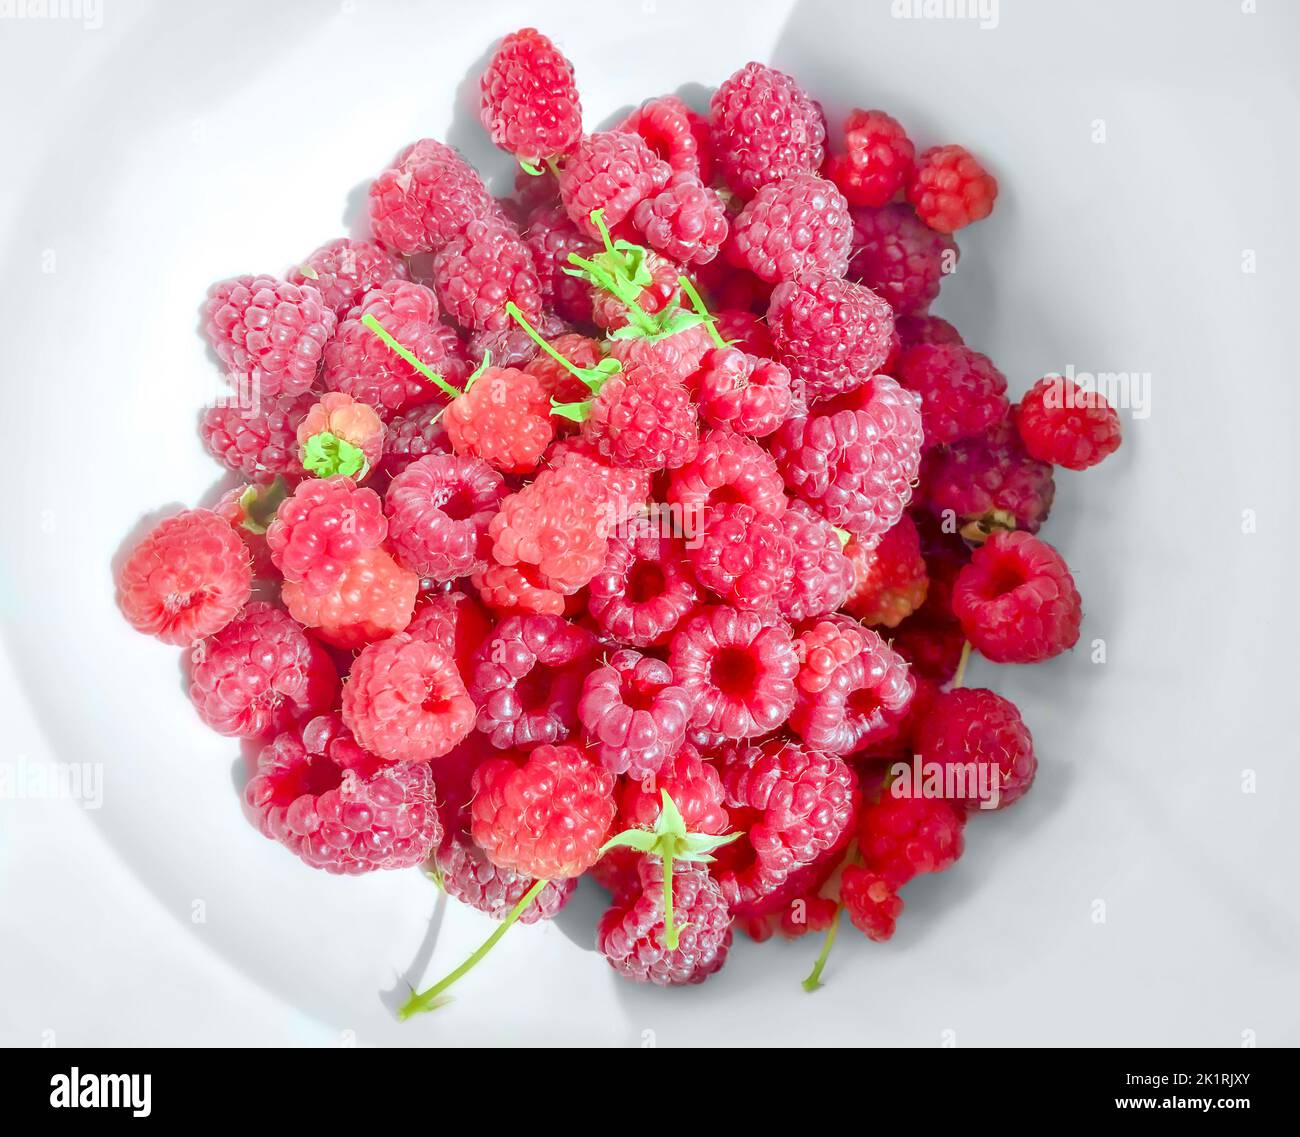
(180,143)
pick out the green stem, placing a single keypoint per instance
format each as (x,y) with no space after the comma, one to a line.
(814,979)
(512,310)
(697,302)
(670,927)
(428,1000)
(959,676)
(423,368)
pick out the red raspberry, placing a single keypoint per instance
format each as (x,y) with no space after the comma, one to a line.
(1061,423)
(1016,600)
(675,133)
(188,578)
(516,589)
(558,381)
(931,643)
(676,357)
(899,258)
(727,468)
(344,270)
(551,237)
(878,162)
(530,102)
(692,783)
(854,460)
(744,557)
(962,393)
(976,728)
(247,505)
(527,679)
(686,221)
(438,514)
(745,331)
(359,363)
(831,333)
(644,590)
(373,598)
(476,273)
(634,714)
(456,622)
(258,442)
(320,527)
(544,815)
(339,808)
(427,197)
(764,129)
(791,228)
(739,670)
(260,674)
(610,171)
(745,393)
(851,688)
(900,837)
(504,418)
(822,572)
(644,420)
(269,331)
(468,876)
(512,346)
(872,903)
(890,581)
(348,421)
(631,935)
(950,189)
(626,491)
(414,435)
(913,330)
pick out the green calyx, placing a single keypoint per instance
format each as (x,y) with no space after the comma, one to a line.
(326,454)
(415,361)
(670,841)
(259,506)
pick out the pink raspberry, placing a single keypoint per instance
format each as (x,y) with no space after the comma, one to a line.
(676,357)
(744,557)
(686,221)
(339,808)
(744,330)
(644,589)
(625,491)
(878,159)
(962,393)
(634,713)
(873,904)
(739,670)
(900,837)
(644,420)
(257,442)
(516,589)
(373,598)
(692,783)
(338,418)
(476,273)
(727,467)
(414,435)
(426,198)
(822,572)
(1061,423)
(269,331)
(186,579)
(530,103)
(552,237)
(977,729)
(764,129)
(468,876)
(344,270)
(791,228)
(512,346)
(745,393)
(899,258)
(438,513)
(675,133)
(832,334)
(611,171)
(504,419)
(260,674)
(1016,600)
(890,581)
(320,527)
(949,189)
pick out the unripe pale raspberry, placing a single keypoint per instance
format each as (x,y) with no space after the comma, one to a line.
(504,419)
(357,424)
(373,598)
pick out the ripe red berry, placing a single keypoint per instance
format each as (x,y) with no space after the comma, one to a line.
(962,393)
(373,598)
(727,468)
(686,221)
(259,441)
(890,581)
(427,197)
(613,172)
(438,513)
(901,836)
(744,557)
(822,573)
(413,435)
(791,228)
(899,258)
(744,393)
(552,237)
(468,876)
(530,103)
(344,270)
(877,162)
(644,420)
(504,419)
(949,188)
(634,713)
(873,904)
(980,730)
(675,133)
(320,527)
(476,273)
(1061,423)
(516,589)
(644,589)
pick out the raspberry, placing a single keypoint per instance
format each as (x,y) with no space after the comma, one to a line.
(878,162)
(745,331)
(791,228)
(558,381)
(675,133)
(476,273)
(950,189)
(468,876)
(692,783)
(872,903)
(1061,423)
(516,589)
(373,598)
(764,129)
(854,460)
(551,237)
(890,581)
(832,334)
(1016,600)
(360,364)
(438,514)
(426,198)
(344,270)
(727,468)
(544,815)
(260,674)
(269,331)
(931,643)
(739,670)
(962,393)
(405,700)
(676,357)
(913,330)
(527,678)
(644,589)
(632,935)
(257,442)
(613,172)
(504,419)
(414,435)
(822,573)
(530,103)
(975,728)
(745,393)
(320,527)
(339,808)
(686,221)
(512,346)
(246,508)
(744,557)
(343,420)
(899,258)
(634,714)
(987,480)
(900,837)
(186,579)
(851,687)
(454,621)
(643,420)
(625,490)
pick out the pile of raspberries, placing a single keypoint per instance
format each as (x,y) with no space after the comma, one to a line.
(636,523)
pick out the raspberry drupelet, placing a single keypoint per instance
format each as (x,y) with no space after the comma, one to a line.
(1061,423)
(877,162)
(791,228)
(644,589)
(320,527)
(971,726)
(950,189)
(438,511)
(634,713)
(344,270)
(426,198)
(900,258)
(530,105)
(373,598)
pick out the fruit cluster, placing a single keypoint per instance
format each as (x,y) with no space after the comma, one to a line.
(638,523)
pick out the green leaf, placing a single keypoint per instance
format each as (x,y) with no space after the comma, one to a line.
(574,412)
(529,169)
(642,840)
